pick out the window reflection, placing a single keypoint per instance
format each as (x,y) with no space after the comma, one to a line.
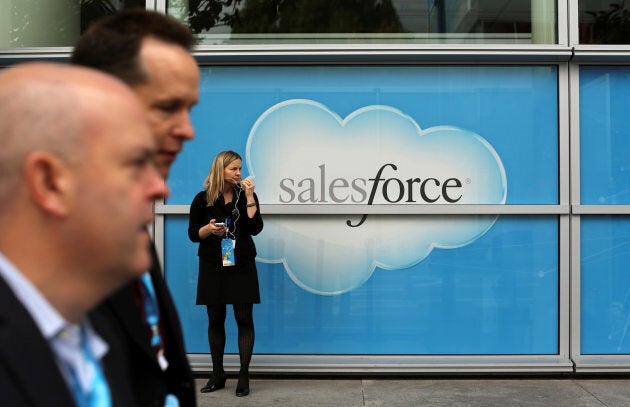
(604,22)
(33,23)
(429,21)
(52,23)
(92,10)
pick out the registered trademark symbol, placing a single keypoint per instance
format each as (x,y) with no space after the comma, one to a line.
(468,181)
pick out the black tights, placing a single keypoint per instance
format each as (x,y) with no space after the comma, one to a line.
(243,314)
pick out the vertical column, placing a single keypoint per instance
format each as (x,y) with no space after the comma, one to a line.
(36,23)
(543,21)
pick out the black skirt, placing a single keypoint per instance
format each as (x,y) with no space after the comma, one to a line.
(218,285)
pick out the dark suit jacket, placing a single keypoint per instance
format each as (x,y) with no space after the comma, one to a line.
(29,375)
(151,384)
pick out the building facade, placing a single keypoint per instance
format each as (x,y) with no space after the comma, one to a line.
(443,182)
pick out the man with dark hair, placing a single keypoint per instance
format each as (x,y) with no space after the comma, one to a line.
(151,53)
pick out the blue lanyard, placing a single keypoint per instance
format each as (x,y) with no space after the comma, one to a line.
(151,309)
(228,221)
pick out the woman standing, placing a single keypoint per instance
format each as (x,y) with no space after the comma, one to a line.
(223,219)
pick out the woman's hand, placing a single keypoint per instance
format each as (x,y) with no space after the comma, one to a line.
(248,186)
(211,229)
(215,229)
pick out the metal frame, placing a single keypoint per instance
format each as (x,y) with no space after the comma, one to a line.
(393,209)
(587,55)
(390,364)
(418,364)
(588,363)
(417,55)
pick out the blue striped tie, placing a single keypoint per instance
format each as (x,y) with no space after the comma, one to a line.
(97,394)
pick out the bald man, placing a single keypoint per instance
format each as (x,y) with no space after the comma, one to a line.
(77,184)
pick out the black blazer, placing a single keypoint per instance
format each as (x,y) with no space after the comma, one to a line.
(29,375)
(242,228)
(151,384)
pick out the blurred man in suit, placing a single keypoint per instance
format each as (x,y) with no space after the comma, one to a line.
(151,53)
(77,183)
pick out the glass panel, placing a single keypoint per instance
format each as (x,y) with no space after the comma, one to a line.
(340,124)
(496,295)
(604,22)
(605,284)
(375,21)
(52,23)
(604,135)
(92,10)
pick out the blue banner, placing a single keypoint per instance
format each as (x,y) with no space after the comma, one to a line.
(385,284)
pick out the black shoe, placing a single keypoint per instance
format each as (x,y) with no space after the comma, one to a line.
(216,382)
(242,388)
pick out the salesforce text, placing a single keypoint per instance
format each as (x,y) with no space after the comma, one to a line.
(393,190)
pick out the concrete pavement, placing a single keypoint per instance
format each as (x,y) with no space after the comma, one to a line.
(266,391)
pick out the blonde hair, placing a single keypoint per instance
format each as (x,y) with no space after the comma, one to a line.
(214,182)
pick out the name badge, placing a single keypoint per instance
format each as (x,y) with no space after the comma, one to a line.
(227,252)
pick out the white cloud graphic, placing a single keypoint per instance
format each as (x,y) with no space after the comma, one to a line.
(300,152)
